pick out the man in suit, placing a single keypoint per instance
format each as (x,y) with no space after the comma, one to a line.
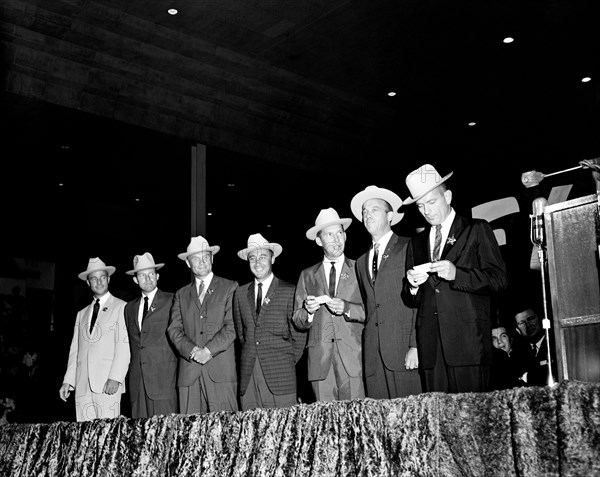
(270,345)
(389,348)
(454,267)
(99,353)
(153,367)
(334,326)
(529,325)
(201,329)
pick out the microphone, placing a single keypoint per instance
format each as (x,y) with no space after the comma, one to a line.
(537,221)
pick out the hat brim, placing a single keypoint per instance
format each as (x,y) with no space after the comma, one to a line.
(311,233)
(214,250)
(83,275)
(410,200)
(158,266)
(390,197)
(273,247)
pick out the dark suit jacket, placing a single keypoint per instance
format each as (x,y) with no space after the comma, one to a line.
(326,328)
(389,324)
(463,306)
(208,324)
(271,336)
(537,370)
(151,353)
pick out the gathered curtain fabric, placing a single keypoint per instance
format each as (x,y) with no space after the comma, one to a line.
(520,432)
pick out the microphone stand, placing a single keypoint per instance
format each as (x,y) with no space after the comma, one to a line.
(545,321)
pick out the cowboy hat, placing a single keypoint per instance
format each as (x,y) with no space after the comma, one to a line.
(144,262)
(326,218)
(198,244)
(423,180)
(96,265)
(257,241)
(374,192)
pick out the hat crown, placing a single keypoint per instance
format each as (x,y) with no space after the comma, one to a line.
(95,263)
(198,244)
(141,262)
(423,180)
(326,216)
(257,241)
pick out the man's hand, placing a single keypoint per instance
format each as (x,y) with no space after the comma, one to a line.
(416,278)
(203,355)
(336,306)
(64,391)
(411,361)
(111,386)
(311,305)
(445,269)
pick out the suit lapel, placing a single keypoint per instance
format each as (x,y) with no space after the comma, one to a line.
(321,280)
(252,300)
(193,295)
(346,270)
(270,296)
(388,250)
(456,238)
(135,311)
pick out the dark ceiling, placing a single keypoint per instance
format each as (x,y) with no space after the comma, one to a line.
(285,95)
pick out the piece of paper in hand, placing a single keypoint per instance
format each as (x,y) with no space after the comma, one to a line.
(321,300)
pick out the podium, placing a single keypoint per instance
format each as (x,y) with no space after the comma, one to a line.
(572,232)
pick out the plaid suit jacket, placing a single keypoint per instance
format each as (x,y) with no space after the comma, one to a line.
(269,337)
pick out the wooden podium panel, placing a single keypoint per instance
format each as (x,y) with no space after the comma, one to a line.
(574,280)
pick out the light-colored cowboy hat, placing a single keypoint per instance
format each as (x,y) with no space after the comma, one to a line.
(374,192)
(326,218)
(422,181)
(256,241)
(198,244)
(96,265)
(144,262)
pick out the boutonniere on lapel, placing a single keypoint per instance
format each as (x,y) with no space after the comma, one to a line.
(384,257)
(152,307)
(344,276)
(209,291)
(267,301)
(105,308)
(450,241)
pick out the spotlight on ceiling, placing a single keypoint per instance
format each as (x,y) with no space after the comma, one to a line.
(60,184)
(508,39)
(587,79)
(391,93)
(172,11)
(472,123)
(137,200)
(209,213)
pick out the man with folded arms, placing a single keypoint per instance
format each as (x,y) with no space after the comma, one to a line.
(453,268)
(389,347)
(153,367)
(99,354)
(270,345)
(329,306)
(201,329)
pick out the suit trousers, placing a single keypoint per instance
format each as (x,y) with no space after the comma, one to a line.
(338,385)
(389,384)
(143,406)
(258,394)
(92,405)
(454,379)
(207,396)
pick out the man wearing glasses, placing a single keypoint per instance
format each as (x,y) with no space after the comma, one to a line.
(202,331)
(99,354)
(530,326)
(270,345)
(153,367)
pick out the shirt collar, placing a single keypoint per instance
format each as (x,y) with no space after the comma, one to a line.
(384,240)
(265,283)
(206,280)
(340,259)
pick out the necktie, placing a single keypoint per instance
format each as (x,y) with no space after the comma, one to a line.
(259,299)
(438,243)
(534,349)
(94,315)
(145,307)
(332,280)
(200,290)
(374,266)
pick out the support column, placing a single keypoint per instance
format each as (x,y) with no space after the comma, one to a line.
(198,196)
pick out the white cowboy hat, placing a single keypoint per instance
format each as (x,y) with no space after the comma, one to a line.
(326,218)
(422,181)
(198,244)
(374,192)
(95,265)
(256,241)
(144,262)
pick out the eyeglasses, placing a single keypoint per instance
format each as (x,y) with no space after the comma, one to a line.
(146,276)
(529,319)
(102,279)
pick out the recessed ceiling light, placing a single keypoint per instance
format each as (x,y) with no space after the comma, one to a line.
(209,213)
(472,123)
(508,39)
(230,185)
(60,184)
(172,11)
(64,147)
(137,200)
(587,79)
(269,226)
(391,93)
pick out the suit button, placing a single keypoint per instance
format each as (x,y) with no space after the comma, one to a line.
(201,316)
(376,324)
(258,342)
(377,306)
(141,347)
(202,332)
(332,340)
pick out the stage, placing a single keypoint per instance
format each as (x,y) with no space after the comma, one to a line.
(520,432)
